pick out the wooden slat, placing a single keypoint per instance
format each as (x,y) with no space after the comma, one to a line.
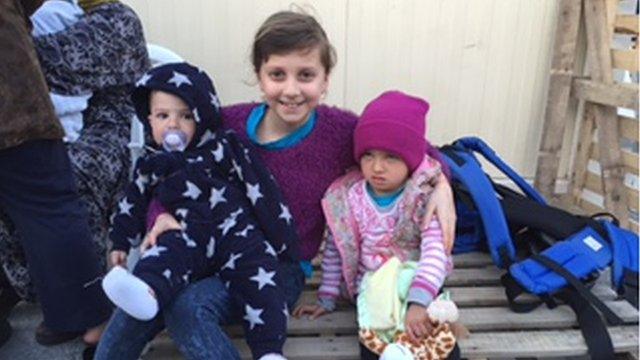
(599,29)
(626,24)
(542,343)
(629,128)
(618,95)
(562,63)
(594,183)
(625,59)
(582,158)
(630,160)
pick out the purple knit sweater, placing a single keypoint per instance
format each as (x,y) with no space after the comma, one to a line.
(305,171)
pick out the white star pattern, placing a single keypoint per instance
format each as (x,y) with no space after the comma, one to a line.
(196,116)
(143,80)
(238,169)
(263,278)
(284,213)
(228,223)
(125,206)
(192,190)
(208,135)
(214,101)
(135,241)
(211,247)
(153,251)
(217,196)
(218,153)
(245,231)
(270,250)
(188,240)
(182,213)
(179,79)
(246,155)
(195,160)
(253,193)
(282,249)
(167,274)
(141,181)
(285,311)
(253,316)
(231,263)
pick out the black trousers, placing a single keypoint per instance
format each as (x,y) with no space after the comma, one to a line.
(38,193)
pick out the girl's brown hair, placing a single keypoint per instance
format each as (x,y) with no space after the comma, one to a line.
(287,31)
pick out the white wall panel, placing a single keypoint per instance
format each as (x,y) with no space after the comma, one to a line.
(482,64)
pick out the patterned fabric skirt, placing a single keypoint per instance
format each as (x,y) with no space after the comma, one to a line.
(101,163)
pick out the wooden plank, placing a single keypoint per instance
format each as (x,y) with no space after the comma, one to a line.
(629,128)
(562,64)
(617,95)
(582,158)
(473,296)
(625,59)
(344,322)
(594,183)
(537,344)
(626,24)
(459,277)
(599,35)
(629,159)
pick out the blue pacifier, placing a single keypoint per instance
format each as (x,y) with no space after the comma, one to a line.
(174,140)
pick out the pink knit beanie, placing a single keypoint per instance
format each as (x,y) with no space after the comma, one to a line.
(393,122)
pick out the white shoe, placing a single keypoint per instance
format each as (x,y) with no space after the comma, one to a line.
(130,294)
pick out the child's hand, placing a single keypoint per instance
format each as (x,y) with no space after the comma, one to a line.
(313,310)
(417,323)
(118,257)
(164,222)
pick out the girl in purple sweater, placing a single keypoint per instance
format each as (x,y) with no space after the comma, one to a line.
(306,146)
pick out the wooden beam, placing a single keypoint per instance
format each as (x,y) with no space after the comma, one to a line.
(617,95)
(626,24)
(562,63)
(626,59)
(599,16)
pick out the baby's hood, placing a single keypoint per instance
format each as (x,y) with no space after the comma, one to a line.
(190,84)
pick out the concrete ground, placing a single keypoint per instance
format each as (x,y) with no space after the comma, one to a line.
(23,346)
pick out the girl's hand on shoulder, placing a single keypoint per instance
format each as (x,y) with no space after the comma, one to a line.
(416,323)
(313,310)
(118,257)
(164,222)
(441,204)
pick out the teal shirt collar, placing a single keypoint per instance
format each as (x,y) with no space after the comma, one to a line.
(291,140)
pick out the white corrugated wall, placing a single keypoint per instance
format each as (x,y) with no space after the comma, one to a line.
(482,64)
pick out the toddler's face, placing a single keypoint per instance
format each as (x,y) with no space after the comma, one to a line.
(385,172)
(169,112)
(292,85)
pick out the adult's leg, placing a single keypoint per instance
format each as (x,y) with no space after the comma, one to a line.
(125,337)
(39,195)
(194,321)
(195,318)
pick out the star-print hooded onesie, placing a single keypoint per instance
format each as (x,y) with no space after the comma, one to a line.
(234,220)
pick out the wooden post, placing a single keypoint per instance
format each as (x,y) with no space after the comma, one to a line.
(562,64)
(599,35)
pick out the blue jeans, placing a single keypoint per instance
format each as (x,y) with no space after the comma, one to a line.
(194,321)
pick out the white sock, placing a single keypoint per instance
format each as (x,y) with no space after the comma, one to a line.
(130,294)
(272,356)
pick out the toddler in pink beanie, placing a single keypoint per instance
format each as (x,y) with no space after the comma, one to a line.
(377,228)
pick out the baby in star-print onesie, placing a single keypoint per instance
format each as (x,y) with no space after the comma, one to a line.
(233,218)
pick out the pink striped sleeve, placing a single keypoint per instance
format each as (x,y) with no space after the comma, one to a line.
(331,271)
(432,267)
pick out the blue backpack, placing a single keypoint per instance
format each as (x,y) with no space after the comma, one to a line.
(545,251)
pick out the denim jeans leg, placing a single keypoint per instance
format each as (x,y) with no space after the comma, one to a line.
(125,337)
(194,321)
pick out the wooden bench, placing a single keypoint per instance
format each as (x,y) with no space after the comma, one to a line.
(496,331)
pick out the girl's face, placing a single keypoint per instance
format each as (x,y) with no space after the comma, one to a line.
(383,171)
(292,85)
(169,112)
